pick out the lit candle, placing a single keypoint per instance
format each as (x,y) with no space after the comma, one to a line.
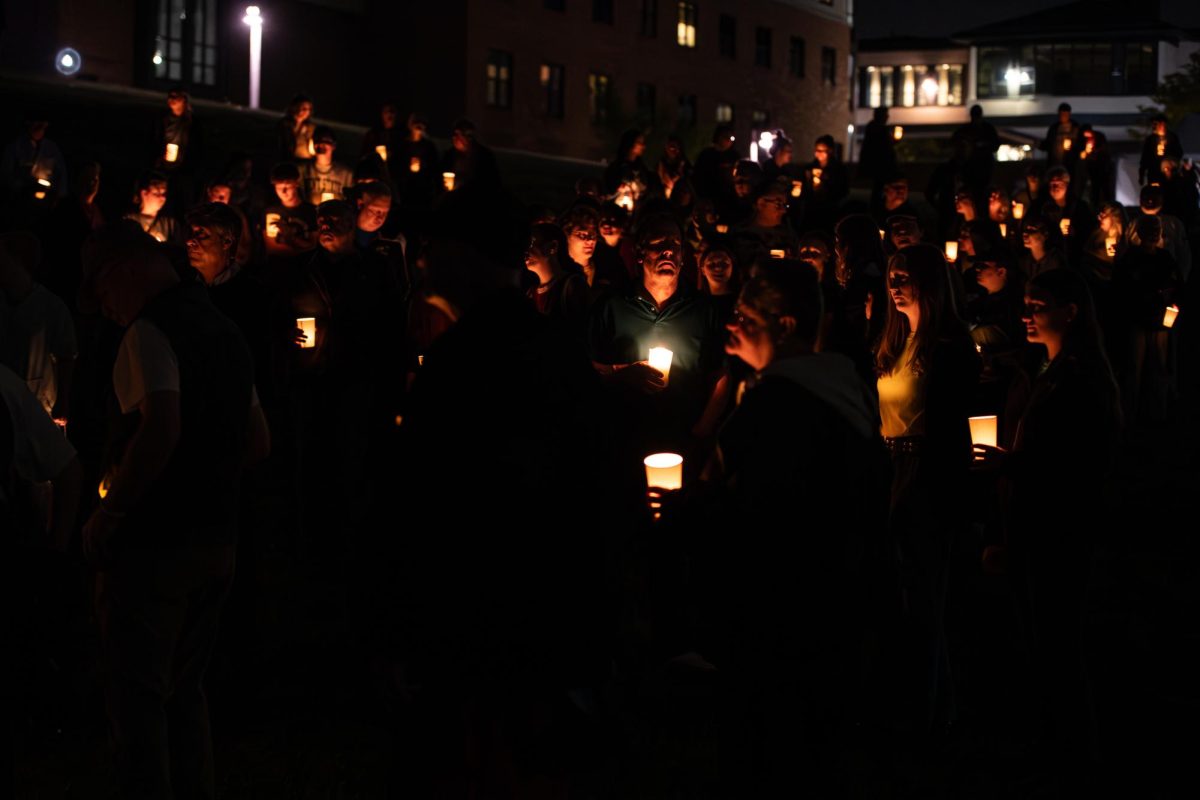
(816,175)
(1162,148)
(381,150)
(664,471)
(308,325)
(797,188)
(882,234)
(1064,225)
(40,194)
(1110,246)
(1018,210)
(1066,144)
(158,236)
(778,254)
(43,182)
(983,430)
(1169,316)
(102,489)
(172,154)
(448,181)
(951,251)
(898,133)
(420,360)
(312,148)
(326,196)
(722,229)
(1003,231)
(660,359)
(625,201)
(414,164)
(273,225)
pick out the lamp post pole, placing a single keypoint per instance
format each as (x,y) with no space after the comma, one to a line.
(254,19)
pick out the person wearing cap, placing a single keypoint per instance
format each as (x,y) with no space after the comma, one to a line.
(1174,235)
(1159,144)
(322,177)
(994,314)
(661,311)
(37,334)
(1061,143)
(289,227)
(164,532)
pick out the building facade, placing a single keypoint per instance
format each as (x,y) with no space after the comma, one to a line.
(559,77)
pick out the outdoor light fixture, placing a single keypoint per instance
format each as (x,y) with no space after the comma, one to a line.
(929,89)
(68,61)
(253,18)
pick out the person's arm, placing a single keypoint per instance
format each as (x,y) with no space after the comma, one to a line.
(65,504)
(148,452)
(714,408)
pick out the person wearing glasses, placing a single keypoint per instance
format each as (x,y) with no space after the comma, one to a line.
(927,371)
(767,234)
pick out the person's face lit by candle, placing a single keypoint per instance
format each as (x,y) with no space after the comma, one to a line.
(387,117)
(1046,322)
(998,207)
(581,244)
(895,194)
(671,150)
(815,255)
(821,155)
(1059,185)
(1033,237)
(902,291)
(742,187)
(303,111)
(325,149)
(1160,128)
(991,276)
(416,130)
(638,148)
(905,232)
(374,213)
(611,231)
(153,198)
(661,259)
(288,193)
(770,209)
(1109,224)
(718,271)
(219,193)
(177,102)
(784,156)
(335,231)
(460,141)
(539,255)
(966,245)
(750,337)
(963,204)
(209,251)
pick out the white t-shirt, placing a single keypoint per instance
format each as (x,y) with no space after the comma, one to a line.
(41,452)
(37,333)
(146,363)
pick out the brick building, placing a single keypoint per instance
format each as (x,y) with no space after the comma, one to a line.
(553,76)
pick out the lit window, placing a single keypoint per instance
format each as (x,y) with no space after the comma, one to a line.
(499,79)
(686,29)
(724,112)
(598,96)
(551,79)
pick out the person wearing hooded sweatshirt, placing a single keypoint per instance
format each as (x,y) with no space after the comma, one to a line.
(803,477)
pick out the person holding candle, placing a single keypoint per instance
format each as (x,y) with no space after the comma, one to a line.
(560,295)
(781,617)
(322,177)
(1054,508)
(1031,194)
(826,187)
(768,231)
(721,279)
(603,270)
(417,176)
(30,157)
(386,135)
(1159,144)
(1061,143)
(1070,212)
(1106,244)
(1145,280)
(164,534)
(296,131)
(1175,238)
(150,199)
(995,314)
(674,166)
(614,242)
(470,160)
(629,169)
(927,368)
(289,226)
(176,138)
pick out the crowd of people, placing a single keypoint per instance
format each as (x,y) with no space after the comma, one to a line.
(452,395)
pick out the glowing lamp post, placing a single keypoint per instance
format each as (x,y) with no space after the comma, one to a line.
(1169,316)
(253,18)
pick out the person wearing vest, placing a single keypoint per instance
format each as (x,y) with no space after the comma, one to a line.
(163,534)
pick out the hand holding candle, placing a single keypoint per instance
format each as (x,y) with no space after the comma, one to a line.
(664,473)
(308,327)
(797,188)
(414,164)
(381,151)
(660,359)
(273,225)
(172,154)
(1064,225)
(983,433)
(448,181)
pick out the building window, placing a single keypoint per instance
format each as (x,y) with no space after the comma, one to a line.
(687,110)
(685,30)
(727,36)
(499,79)
(910,85)
(762,47)
(599,96)
(1072,68)
(796,57)
(829,66)
(650,18)
(556,5)
(602,11)
(724,112)
(646,103)
(759,119)
(551,79)
(185,42)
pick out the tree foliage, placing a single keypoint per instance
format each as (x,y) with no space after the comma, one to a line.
(1179,93)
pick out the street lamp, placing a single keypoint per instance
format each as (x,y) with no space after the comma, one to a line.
(254,19)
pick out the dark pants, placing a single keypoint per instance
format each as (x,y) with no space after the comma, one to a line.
(158,623)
